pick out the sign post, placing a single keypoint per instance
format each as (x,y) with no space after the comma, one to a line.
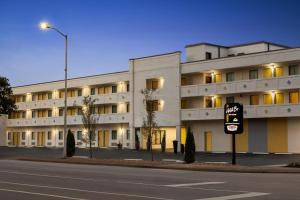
(233,123)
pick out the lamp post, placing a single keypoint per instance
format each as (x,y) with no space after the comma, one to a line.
(45,26)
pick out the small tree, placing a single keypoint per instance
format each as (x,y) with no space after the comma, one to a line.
(137,142)
(70,144)
(7,103)
(89,120)
(149,123)
(189,156)
(163,143)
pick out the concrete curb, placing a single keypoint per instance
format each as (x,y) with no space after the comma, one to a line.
(209,167)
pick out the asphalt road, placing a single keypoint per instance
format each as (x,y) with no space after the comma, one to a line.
(33,180)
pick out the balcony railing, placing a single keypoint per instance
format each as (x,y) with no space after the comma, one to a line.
(250,111)
(71,120)
(71,101)
(243,86)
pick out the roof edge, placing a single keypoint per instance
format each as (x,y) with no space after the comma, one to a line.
(156,55)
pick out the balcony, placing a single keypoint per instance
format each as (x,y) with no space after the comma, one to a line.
(258,111)
(243,86)
(71,120)
(71,101)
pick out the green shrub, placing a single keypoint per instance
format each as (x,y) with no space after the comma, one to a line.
(189,156)
(163,143)
(70,144)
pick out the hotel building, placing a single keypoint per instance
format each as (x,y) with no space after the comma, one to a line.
(263,76)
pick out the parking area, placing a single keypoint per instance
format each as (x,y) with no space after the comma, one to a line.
(246,159)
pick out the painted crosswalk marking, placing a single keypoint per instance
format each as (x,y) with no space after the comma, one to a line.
(237,196)
(194,184)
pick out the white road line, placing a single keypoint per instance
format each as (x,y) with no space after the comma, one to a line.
(40,194)
(193,184)
(237,196)
(86,191)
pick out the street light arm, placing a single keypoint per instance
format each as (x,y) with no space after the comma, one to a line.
(58,31)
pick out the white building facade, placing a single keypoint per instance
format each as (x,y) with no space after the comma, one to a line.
(263,76)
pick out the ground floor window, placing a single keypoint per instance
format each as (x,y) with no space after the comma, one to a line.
(128,134)
(32,135)
(23,135)
(60,135)
(79,135)
(157,136)
(114,135)
(93,136)
(49,135)
(9,135)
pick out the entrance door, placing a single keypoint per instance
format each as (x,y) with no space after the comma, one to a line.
(100,138)
(207,141)
(41,139)
(16,138)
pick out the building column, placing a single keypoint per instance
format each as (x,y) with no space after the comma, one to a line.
(178,137)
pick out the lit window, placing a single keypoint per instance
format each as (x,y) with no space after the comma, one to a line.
(294,97)
(279,99)
(254,100)
(267,99)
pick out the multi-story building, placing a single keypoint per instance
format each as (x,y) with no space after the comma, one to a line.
(263,76)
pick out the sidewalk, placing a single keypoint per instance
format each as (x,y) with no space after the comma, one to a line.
(197,166)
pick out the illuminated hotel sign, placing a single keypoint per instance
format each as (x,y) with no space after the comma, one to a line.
(233,118)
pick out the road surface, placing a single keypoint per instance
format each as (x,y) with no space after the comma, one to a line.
(34,180)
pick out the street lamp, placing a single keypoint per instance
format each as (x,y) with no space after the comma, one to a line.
(45,26)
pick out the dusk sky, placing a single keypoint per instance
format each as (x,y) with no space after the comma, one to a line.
(105,34)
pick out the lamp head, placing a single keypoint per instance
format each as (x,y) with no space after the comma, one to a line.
(44,25)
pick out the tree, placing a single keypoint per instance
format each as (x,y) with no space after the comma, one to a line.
(163,143)
(149,123)
(189,156)
(7,103)
(89,120)
(70,144)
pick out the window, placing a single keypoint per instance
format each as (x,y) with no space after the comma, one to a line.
(218,101)
(253,74)
(49,95)
(293,70)
(127,107)
(278,72)
(9,135)
(23,135)
(294,97)
(218,78)
(32,135)
(279,99)
(49,113)
(184,104)
(79,111)
(229,76)
(208,79)
(92,91)
(106,89)
(127,87)
(114,135)
(208,102)
(79,92)
(157,137)
(71,93)
(60,135)
(152,84)
(114,89)
(230,99)
(49,135)
(267,73)
(207,55)
(267,99)
(61,112)
(79,135)
(152,105)
(127,134)
(61,94)
(23,115)
(254,100)
(33,114)
(114,109)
